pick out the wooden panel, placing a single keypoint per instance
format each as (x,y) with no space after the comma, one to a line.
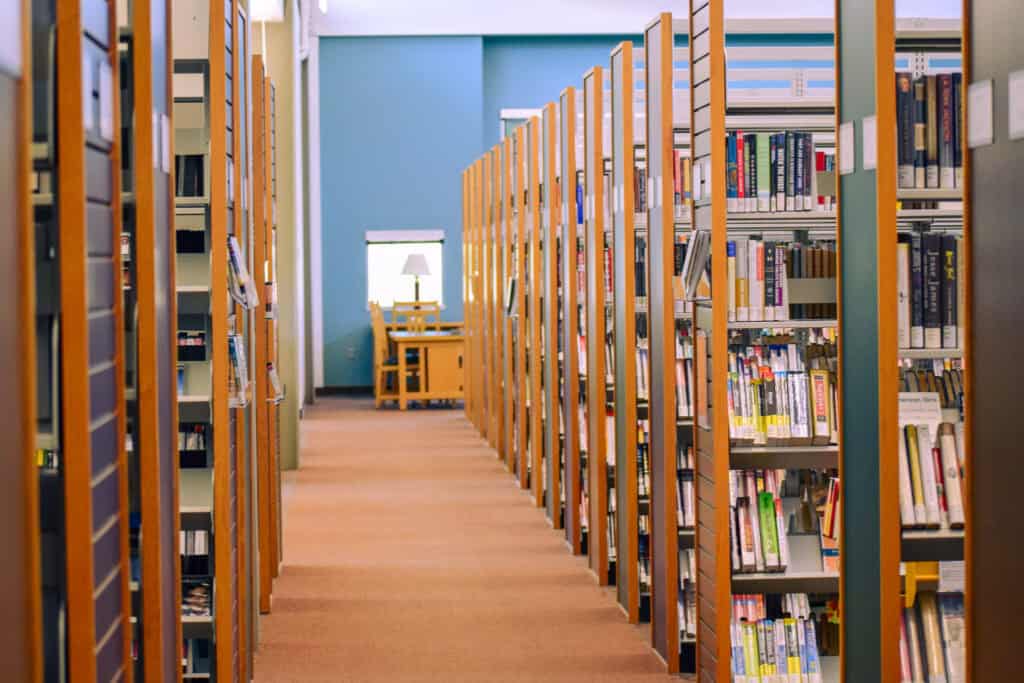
(713,654)
(549,293)
(494,252)
(260,175)
(597,471)
(20,576)
(522,330)
(994,48)
(627,585)
(507,273)
(223,552)
(659,41)
(536,287)
(570,269)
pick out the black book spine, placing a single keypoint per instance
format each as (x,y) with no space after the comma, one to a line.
(920,131)
(773,180)
(769,280)
(905,124)
(752,166)
(916,292)
(949,292)
(790,170)
(958,132)
(933,291)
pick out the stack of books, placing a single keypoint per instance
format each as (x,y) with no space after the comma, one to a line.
(932,639)
(782,395)
(931,294)
(768,650)
(687,598)
(931,476)
(684,376)
(685,501)
(759,274)
(774,172)
(929,120)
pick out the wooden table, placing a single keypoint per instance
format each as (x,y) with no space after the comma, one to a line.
(440,364)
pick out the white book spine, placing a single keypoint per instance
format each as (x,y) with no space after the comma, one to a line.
(928,481)
(961,292)
(951,476)
(732,284)
(903,295)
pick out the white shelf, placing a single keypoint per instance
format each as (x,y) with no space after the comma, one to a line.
(780,324)
(931,194)
(192,289)
(788,457)
(194,398)
(195,498)
(930,354)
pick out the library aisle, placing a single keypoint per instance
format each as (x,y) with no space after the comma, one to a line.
(413,556)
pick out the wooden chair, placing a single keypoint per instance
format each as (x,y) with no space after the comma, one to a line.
(385,366)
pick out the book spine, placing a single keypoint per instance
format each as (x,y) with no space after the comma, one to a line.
(769,532)
(932,291)
(928,476)
(920,131)
(950,298)
(732,171)
(742,280)
(798,163)
(752,175)
(809,172)
(932,637)
(931,133)
(947,155)
(951,619)
(958,130)
(740,172)
(764,172)
(781,284)
(916,292)
(907,514)
(951,474)
(905,123)
(769,281)
(961,293)
(730,251)
(790,157)
(903,294)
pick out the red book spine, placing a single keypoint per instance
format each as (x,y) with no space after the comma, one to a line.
(819,166)
(740,170)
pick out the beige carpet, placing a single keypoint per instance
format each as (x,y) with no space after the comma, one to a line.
(411,555)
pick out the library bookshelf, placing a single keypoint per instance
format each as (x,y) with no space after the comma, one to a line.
(506,306)
(600,297)
(572,333)
(631,442)
(553,437)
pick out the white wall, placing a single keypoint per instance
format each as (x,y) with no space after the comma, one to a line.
(524,17)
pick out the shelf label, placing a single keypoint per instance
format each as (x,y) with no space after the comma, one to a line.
(979,114)
(920,408)
(951,577)
(1016,104)
(869,133)
(165,149)
(106,101)
(847,146)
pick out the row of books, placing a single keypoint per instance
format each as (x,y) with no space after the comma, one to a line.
(759,273)
(931,469)
(932,639)
(931,293)
(238,377)
(189,175)
(758,533)
(685,388)
(687,598)
(196,658)
(191,345)
(943,377)
(643,459)
(192,437)
(779,649)
(773,172)
(643,373)
(782,394)
(196,598)
(929,121)
(682,183)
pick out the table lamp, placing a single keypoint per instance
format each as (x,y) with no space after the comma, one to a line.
(416,265)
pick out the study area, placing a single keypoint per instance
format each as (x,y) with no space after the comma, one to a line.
(470,340)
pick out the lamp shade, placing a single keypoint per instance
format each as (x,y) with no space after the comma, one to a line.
(416,264)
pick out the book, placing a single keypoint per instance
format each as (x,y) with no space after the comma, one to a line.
(903,294)
(931,132)
(905,151)
(916,292)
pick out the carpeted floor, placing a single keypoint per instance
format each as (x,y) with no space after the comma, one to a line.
(411,555)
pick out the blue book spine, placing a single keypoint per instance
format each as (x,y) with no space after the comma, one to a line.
(731,188)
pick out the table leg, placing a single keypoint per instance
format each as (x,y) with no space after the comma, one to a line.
(401,376)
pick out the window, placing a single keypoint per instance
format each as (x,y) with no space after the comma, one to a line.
(386,254)
(513,118)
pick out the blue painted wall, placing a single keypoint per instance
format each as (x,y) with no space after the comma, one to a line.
(552,62)
(399,120)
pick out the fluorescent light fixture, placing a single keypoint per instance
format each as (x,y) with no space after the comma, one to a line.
(323,6)
(267,10)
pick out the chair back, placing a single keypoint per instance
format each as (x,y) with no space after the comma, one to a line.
(380,334)
(426,315)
